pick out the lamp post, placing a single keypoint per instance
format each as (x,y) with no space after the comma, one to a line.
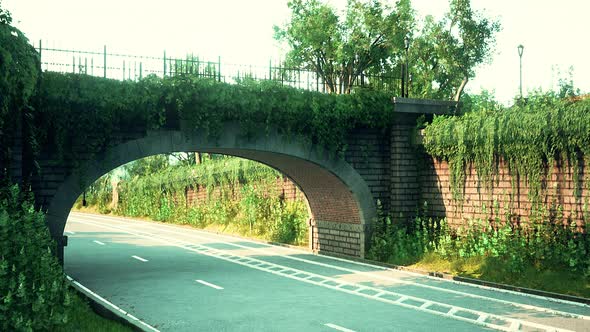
(406,72)
(520,50)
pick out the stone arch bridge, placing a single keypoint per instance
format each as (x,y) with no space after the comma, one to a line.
(342,191)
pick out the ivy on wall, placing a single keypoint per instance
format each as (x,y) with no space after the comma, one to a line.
(529,137)
(81,112)
(19,74)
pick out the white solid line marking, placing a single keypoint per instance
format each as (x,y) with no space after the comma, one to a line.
(493,289)
(102,299)
(518,304)
(208,284)
(98,242)
(339,328)
(70,232)
(139,258)
(218,254)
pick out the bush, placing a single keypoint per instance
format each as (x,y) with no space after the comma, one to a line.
(542,246)
(35,295)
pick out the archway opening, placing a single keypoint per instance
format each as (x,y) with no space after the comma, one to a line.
(340,202)
(218,193)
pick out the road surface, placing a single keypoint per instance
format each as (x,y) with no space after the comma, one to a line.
(179,279)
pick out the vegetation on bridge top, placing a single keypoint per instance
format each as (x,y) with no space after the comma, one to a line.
(82,112)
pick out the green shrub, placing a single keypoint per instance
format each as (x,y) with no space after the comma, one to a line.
(32,284)
(241,196)
(544,246)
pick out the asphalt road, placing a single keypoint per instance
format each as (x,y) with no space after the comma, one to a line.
(179,279)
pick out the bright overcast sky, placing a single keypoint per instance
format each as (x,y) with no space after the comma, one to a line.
(554,33)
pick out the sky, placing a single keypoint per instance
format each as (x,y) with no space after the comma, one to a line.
(553,33)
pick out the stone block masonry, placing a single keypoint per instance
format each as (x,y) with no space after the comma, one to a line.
(341,191)
(338,238)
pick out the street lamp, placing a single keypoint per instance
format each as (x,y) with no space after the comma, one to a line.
(406,72)
(520,50)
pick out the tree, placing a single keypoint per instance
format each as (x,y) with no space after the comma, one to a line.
(376,39)
(482,102)
(19,74)
(5,16)
(447,52)
(339,50)
(147,165)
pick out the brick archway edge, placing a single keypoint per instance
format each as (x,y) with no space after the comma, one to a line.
(340,201)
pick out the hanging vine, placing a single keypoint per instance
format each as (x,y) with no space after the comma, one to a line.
(529,137)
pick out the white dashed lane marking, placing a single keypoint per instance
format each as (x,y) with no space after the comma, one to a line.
(139,258)
(208,284)
(339,328)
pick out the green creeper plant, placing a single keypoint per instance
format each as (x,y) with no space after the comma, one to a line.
(32,284)
(529,137)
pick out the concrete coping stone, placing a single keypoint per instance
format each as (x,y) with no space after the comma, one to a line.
(424,106)
(358,228)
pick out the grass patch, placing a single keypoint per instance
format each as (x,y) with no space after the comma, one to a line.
(82,318)
(545,255)
(494,270)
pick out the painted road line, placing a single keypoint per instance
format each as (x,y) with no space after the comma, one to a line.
(98,242)
(453,312)
(483,297)
(339,328)
(70,232)
(208,284)
(84,289)
(461,283)
(407,282)
(139,258)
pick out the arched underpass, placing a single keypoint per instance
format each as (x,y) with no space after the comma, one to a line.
(340,202)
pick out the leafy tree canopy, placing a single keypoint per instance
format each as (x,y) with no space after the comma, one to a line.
(19,73)
(374,38)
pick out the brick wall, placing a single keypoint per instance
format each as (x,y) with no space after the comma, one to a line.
(405,187)
(284,187)
(368,152)
(502,200)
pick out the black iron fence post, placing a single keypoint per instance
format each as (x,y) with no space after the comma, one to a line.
(219,68)
(40,55)
(105,61)
(164,63)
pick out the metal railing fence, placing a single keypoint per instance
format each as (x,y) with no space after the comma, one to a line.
(135,67)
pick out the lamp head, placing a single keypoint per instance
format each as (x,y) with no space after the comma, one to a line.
(520,49)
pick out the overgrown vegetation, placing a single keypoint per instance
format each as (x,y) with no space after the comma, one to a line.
(34,291)
(529,137)
(81,113)
(82,318)
(34,294)
(542,256)
(371,40)
(19,78)
(241,196)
